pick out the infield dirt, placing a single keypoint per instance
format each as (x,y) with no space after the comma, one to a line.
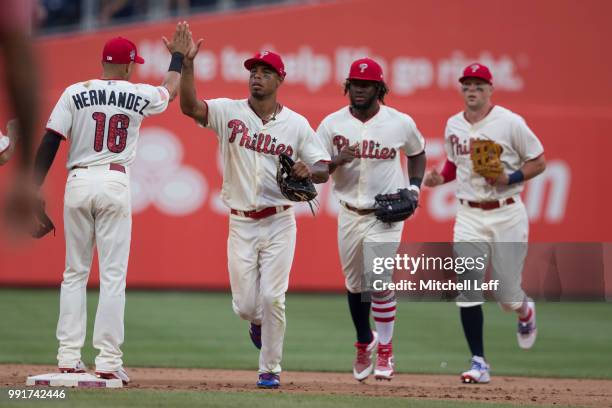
(514,390)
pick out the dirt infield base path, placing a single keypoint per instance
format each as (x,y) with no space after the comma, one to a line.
(514,390)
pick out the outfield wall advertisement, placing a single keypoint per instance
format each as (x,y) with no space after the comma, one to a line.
(553,71)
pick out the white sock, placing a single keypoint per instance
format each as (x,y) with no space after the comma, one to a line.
(479,359)
(383,311)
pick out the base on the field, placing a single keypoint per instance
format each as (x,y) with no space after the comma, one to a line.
(72,380)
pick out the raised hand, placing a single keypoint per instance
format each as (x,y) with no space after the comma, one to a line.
(193,50)
(181,40)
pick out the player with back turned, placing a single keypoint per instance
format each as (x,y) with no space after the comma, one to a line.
(491,152)
(366,140)
(101,118)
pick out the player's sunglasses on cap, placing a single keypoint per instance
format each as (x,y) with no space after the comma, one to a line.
(477,70)
(271,59)
(120,50)
(366,69)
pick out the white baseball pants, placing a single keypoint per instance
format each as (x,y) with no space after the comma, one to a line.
(260,254)
(502,235)
(353,231)
(96,212)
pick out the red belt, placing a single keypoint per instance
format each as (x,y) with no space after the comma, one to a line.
(112,166)
(266,212)
(488,205)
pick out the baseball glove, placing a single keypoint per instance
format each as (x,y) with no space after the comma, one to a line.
(292,188)
(42,223)
(397,206)
(485,155)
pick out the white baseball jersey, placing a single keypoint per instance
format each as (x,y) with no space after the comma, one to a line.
(5,142)
(102,119)
(250,151)
(377,167)
(502,126)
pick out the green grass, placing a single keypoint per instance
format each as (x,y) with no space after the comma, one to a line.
(147,398)
(188,329)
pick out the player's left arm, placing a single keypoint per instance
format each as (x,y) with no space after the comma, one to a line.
(534,167)
(414,148)
(45,155)
(529,169)
(59,127)
(530,150)
(416,169)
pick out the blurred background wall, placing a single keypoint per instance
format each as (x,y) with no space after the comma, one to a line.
(550,61)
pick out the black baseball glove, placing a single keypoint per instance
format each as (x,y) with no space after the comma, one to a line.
(42,223)
(397,206)
(292,188)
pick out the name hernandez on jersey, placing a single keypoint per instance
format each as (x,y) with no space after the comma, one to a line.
(250,148)
(126,100)
(506,128)
(377,168)
(102,119)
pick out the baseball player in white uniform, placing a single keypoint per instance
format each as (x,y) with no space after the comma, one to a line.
(491,219)
(101,118)
(262,231)
(366,140)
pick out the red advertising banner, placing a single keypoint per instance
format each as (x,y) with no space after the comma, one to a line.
(550,64)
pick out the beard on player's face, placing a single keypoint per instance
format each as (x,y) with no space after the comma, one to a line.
(259,93)
(363,94)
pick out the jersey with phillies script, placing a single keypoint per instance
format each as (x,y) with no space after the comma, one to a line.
(250,151)
(506,128)
(377,168)
(102,118)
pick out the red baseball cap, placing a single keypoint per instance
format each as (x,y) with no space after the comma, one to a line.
(366,69)
(477,70)
(272,59)
(120,50)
